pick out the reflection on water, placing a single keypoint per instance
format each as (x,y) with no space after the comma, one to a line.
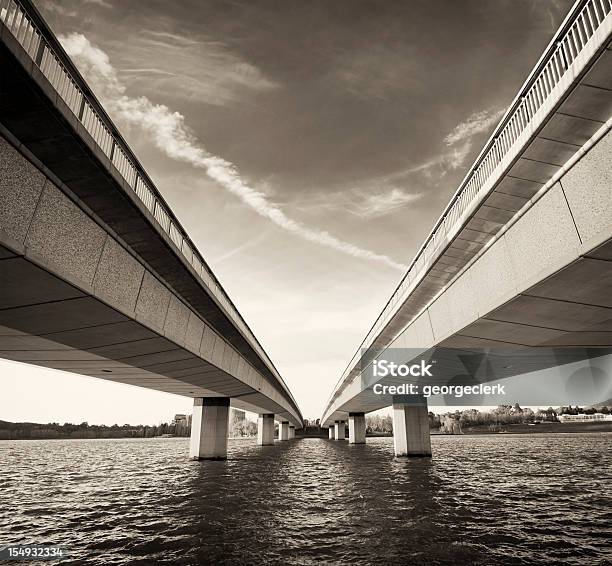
(505,499)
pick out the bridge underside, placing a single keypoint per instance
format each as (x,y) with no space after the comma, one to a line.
(565,318)
(75,297)
(90,281)
(48,322)
(474,366)
(527,265)
(540,296)
(581,112)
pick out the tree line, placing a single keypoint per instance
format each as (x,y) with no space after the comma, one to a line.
(238,427)
(17,431)
(495,419)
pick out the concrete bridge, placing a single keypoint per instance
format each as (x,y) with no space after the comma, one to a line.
(521,258)
(97,276)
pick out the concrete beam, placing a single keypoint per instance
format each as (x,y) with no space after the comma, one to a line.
(70,281)
(546,207)
(114,226)
(544,282)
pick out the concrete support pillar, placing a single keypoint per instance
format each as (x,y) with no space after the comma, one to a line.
(209,427)
(411,426)
(283,430)
(265,429)
(357,428)
(340,431)
(332,432)
(291,432)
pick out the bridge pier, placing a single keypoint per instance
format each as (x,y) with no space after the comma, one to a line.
(209,428)
(283,430)
(340,430)
(265,429)
(357,428)
(411,426)
(291,432)
(332,432)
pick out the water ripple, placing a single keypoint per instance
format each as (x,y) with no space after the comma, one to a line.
(521,499)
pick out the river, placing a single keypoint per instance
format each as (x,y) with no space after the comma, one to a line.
(489,499)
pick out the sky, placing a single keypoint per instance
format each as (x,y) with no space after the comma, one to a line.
(307,148)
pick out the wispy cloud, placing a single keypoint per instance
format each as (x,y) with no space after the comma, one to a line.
(236,250)
(198,69)
(387,193)
(459,143)
(380,204)
(372,199)
(58,8)
(102,3)
(171,135)
(477,123)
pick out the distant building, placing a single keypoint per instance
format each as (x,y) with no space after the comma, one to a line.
(583,418)
(180,420)
(181,424)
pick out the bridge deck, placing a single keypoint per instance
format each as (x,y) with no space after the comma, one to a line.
(566,100)
(48,113)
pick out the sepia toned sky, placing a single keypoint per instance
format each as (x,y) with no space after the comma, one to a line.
(307,148)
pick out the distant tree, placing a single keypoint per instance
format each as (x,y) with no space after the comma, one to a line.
(434,421)
(450,424)
(241,427)
(251,428)
(379,424)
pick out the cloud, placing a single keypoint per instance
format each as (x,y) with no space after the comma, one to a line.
(459,141)
(370,198)
(52,6)
(171,135)
(375,200)
(478,122)
(385,194)
(246,245)
(384,203)
(197,69)
(102,3)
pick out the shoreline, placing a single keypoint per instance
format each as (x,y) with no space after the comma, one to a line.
(542,428)
(298,437)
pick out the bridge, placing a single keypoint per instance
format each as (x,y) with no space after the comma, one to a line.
(97,275)
(521,258)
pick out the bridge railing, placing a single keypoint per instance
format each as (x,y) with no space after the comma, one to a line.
(42,47)
(584,20)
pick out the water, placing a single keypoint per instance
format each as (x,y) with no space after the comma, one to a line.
(498,499)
